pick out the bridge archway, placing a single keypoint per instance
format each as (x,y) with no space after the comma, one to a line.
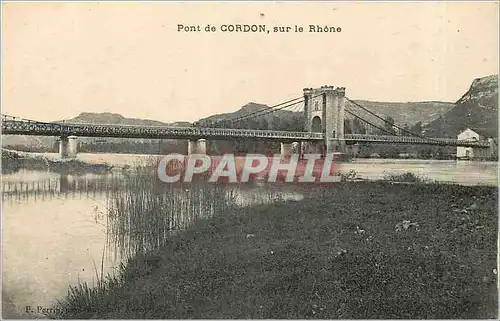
(316,124)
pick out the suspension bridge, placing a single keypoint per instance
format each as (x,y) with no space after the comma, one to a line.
(322,111)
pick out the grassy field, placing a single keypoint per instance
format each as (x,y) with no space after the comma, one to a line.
(352,250)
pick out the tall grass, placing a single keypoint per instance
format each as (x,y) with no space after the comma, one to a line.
(84,301)
(141,217)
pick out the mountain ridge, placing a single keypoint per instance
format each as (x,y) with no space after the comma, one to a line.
(118,119)
(476,109)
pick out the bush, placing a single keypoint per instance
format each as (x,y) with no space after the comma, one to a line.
(407,177)
(352,174)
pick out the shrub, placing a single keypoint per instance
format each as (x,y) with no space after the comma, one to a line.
(406,177)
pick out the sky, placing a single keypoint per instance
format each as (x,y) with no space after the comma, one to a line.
(61,59)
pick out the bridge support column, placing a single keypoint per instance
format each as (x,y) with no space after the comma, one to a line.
(63,147)
(68,147)
(330,116)
(340,119)
(336,145)
(313,147)
(331,113)
(332,146)
(72,146)
(286,150)
(197,146)
(493,149)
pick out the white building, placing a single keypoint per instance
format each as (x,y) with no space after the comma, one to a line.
(470,152)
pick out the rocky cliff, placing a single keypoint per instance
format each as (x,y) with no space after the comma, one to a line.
(476,109)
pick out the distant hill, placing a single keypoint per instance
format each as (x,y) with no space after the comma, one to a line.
(111,118)
(245,110)
(477,109)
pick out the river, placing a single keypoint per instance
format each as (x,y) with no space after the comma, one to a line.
(55,230)
(449,171)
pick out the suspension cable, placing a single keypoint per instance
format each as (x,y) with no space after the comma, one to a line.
(260,111)
(273,109)
(250,116)
(366,121)
(398,127)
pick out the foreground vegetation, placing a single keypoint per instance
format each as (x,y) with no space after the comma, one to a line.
(349,250)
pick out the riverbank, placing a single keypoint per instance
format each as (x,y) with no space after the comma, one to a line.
(13,161)
(352,250)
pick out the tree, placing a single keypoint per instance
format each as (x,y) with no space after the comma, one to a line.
(358,127)
(347,126)
(285,124)
(251,123)
(417,128)
(263,124)
(439,126)
(275,123)
(389,151)
(425,153)
(297,123)
(389,126)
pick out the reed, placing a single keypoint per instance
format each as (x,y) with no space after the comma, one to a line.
(142,216)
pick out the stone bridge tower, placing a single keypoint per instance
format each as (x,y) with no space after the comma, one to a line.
(324,113)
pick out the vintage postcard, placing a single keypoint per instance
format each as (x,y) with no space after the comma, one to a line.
(249,160)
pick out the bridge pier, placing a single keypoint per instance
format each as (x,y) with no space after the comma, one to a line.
(68,147)
(336,145)
(197,146)
(493,148)
(313,147)
(286,150)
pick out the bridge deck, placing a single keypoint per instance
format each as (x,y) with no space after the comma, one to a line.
(15,127)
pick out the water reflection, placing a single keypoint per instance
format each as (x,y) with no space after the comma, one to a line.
(48,244)
(59,229)
(43,186)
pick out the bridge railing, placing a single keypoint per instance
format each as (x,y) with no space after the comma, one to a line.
(413,139)
(15,126)
(85,129)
